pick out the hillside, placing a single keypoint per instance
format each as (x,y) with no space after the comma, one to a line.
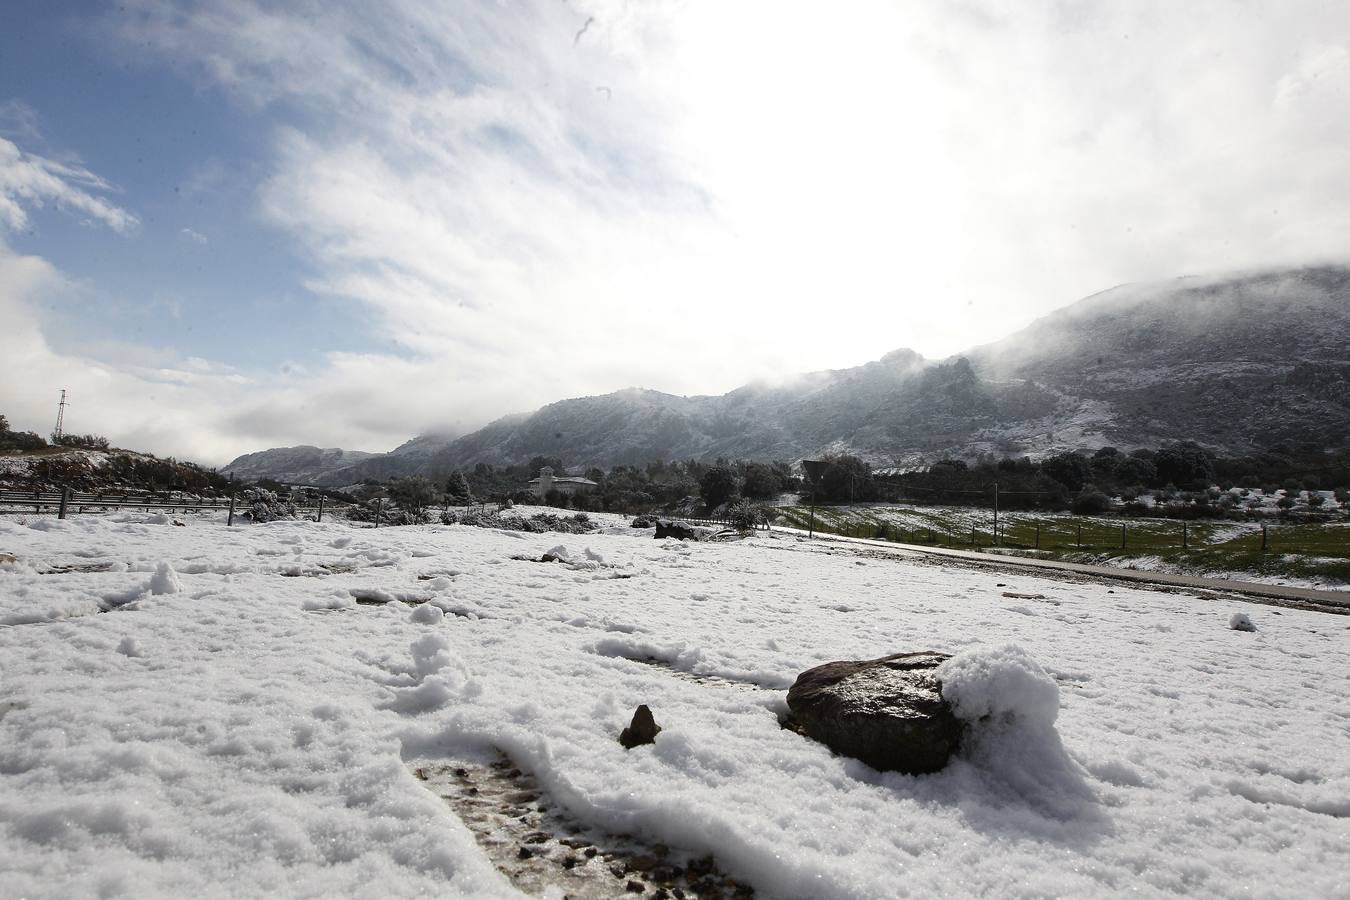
(1236,364)
(293,465)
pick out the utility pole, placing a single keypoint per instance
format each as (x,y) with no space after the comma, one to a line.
(230,519)
(60,415)
(996,540)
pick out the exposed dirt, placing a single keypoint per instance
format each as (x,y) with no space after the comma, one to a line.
(534,842)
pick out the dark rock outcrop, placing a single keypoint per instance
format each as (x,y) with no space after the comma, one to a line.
(887,712)
(642,730)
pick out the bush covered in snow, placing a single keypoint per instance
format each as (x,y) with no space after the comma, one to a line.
(384,512)
(539,523)
(265,506)
(745,515)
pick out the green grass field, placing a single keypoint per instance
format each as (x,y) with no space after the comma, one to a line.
(1312,552)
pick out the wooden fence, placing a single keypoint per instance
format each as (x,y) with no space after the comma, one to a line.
(68,502)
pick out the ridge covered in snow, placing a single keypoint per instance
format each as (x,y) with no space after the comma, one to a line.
(1238,364)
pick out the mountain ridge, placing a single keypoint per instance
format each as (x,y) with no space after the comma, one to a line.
(1236,363)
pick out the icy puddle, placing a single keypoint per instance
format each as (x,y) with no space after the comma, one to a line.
(538,846)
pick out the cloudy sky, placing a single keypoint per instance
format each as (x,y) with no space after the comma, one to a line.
(230,226)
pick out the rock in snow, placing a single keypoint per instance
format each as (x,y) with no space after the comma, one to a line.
(642,730)
(1240,622)
(666,529)
(887,712)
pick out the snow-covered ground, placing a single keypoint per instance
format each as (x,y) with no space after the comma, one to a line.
(239,725)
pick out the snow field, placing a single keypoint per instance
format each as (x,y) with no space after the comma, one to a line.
(248,733)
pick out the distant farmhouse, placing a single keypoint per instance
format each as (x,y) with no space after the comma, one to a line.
(568,485)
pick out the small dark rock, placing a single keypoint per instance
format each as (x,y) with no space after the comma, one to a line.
(570,862)
(642,730)
(642,522)
(461,773)
(524,853)
(887,712)
(635,887)
(536,837)
(589,852)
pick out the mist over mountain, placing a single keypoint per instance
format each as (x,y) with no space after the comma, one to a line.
(1237,364)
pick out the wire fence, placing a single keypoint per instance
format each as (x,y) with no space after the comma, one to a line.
(1100,535)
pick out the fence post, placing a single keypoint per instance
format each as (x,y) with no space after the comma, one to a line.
(1122,535)
(1080,535)
(230,520)
(1038,535)
(65,499)
(1264,537)
(379,504)
(320,517)
(1185,538)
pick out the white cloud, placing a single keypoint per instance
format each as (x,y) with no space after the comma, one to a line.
(28,180)
(193,235)
(754,192)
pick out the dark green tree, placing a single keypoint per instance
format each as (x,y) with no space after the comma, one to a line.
(718,485)
(457,490)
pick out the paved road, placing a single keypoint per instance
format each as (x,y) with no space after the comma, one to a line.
(1327,601)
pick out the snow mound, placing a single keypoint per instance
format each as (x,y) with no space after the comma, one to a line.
(999,682)
(1009,704)
(426,614)
(337,600)
(440,678)
(430,654)
(130,647)
(165,580)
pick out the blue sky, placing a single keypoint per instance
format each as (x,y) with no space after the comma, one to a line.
(204,273)
(228,226)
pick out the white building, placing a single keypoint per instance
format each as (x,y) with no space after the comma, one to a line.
(568,485)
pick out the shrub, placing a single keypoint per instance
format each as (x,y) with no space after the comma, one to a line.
(265,506)
(745,515)
(21,441)
(1091,503)
(82,441)
(414,494)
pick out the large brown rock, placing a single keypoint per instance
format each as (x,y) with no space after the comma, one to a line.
(887,712)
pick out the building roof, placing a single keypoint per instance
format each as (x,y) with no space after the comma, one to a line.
(568,479)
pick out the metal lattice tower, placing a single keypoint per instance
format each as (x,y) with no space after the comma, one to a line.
(60,414)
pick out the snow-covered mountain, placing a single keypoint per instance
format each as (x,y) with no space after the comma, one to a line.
(294,465)
(1237,364)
